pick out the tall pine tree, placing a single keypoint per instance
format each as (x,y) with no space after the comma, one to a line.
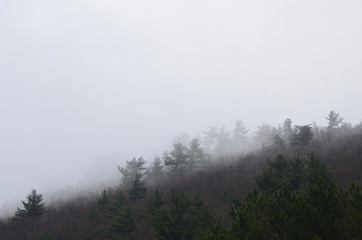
(176,160)
(33,207)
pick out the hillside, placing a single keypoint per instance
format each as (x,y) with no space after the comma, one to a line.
(264,193)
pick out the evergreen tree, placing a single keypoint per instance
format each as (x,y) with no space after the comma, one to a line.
(181,218)
(281,173)
(33,207)
(176,160)
(222,141)
(317,170)
(351,222)
(264,135)
(155,171)
(156,203)
(209,141)
(302,137)
(138,188)
(202,214)
(97,220)
(103,201)
(133,167)
(321,210)
(124,222)
(333,119)
(217,232)
(239,138)
(278,143)
(286,130)
(196,157)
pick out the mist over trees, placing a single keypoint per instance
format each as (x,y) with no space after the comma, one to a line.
(288,181)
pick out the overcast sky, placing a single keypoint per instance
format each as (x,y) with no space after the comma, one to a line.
(87,84)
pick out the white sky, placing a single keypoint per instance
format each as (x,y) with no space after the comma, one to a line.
(85,85)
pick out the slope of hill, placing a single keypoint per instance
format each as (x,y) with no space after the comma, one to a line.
(196,204)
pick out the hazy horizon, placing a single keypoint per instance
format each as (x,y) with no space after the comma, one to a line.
(86,85)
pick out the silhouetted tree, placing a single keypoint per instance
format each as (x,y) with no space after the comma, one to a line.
(33,207)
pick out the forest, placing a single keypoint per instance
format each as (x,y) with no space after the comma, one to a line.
(282,182)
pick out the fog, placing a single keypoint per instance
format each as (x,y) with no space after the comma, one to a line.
(88,84)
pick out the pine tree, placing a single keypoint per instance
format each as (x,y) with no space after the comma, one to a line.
(278,143)
(181,218)
(124,222)
(333,119)
(287,129)
(351,222)
(217,232)
(239,137)
(317,170)
(155,171)
(322,210)
(176,160)
(264,135)
(209,141)
(33,207)
(97,220)
(223,141)
(196,157)
(302,137)
(103,201)
(138,188)
(133,167)
(156,203)
(281,173)
(240,131)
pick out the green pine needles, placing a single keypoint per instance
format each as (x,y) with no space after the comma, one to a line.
(33,207)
